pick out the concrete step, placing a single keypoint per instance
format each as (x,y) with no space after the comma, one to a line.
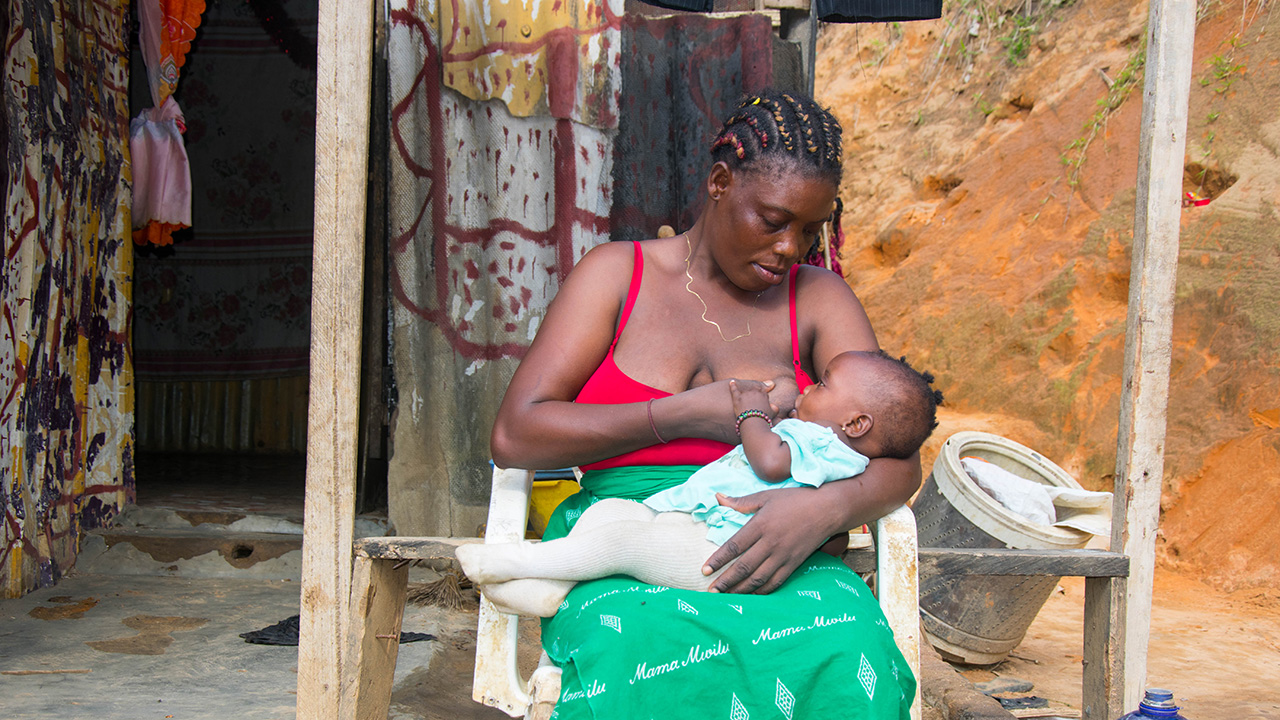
(184,543)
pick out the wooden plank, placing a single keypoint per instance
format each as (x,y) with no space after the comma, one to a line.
(410,548)
(786,4)
(378,588)
(1148,337)
(987,561)
(860,560)
(343,59)
(1103,674)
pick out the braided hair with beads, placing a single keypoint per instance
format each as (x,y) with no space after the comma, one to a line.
(781,126)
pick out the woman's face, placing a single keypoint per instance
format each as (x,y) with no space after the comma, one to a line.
(768,219)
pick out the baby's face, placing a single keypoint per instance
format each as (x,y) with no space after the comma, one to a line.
(837,397)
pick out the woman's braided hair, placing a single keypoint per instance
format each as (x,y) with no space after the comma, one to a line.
(776,125)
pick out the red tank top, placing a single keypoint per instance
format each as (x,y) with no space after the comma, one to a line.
(609,385)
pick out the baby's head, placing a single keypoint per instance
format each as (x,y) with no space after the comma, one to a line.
(877,404)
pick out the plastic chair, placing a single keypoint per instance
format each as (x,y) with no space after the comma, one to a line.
(498,683)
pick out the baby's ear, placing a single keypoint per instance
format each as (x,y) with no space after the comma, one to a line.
(857,426)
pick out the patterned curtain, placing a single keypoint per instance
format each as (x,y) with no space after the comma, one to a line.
(66,398)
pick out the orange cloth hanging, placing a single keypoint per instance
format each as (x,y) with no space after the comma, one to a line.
(162,173)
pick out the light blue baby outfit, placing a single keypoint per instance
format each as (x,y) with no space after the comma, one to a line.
(817,456)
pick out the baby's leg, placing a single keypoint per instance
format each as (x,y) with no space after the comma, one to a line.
(500,562)
(528,596)
(612,537)
(527,593)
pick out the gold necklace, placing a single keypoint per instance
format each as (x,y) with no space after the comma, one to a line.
(689,286)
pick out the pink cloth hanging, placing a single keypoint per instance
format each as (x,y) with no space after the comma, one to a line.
(161,174)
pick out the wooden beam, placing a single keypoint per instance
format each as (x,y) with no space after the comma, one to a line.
(1148,338)
(377,605)
(411,548)
(974,561)
(995,561)
(343,58)
(1103,676)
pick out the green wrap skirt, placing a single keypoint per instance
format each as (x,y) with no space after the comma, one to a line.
(817,647)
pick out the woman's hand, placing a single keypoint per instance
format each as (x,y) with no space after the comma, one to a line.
(782,396)
(791,523)
(772,544)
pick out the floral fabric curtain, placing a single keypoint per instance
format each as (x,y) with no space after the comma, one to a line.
(66,403)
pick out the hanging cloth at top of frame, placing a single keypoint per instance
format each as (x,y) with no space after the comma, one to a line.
(559,59)
(836,11)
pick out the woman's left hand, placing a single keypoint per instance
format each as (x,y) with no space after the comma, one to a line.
(791,523)
(772,544)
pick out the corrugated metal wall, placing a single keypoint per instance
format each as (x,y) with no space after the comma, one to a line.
(267,415)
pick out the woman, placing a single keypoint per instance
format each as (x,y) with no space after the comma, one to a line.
(627,378)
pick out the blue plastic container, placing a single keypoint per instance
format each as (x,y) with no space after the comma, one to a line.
(1157,704)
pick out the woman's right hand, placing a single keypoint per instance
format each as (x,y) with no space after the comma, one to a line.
(782,396)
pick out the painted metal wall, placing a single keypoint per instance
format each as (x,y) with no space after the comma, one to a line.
(502,126)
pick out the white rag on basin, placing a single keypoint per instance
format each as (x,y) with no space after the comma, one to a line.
(1041,504)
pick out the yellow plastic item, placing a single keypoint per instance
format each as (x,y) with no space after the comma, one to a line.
(545,498)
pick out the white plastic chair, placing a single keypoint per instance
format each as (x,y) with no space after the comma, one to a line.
(498,683)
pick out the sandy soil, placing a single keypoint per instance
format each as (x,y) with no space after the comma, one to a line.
(992,250)
(1218,653)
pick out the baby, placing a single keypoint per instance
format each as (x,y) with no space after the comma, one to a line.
(867,405)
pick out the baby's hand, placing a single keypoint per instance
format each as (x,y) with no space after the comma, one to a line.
(751,395)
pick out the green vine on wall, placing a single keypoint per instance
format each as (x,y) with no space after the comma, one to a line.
(1118,90)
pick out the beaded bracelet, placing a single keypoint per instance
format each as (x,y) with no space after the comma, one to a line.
(652,425)
(751,413)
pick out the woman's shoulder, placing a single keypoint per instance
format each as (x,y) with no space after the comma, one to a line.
(605,265)
(617,260)
(818,286)
(831,316)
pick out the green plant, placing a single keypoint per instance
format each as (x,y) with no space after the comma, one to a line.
(1225,70)
(1017,43)
(1121,87)
(984,107)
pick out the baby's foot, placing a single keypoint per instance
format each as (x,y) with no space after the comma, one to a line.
(485,564)
(537,597)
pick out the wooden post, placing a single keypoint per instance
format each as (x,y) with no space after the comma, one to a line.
(377,606)
(343,58)
(1148,339)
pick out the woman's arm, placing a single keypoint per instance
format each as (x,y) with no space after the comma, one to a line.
(539,426)
(789,524)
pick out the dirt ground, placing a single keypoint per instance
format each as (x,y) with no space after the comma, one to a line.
(989,192)
(1219,653)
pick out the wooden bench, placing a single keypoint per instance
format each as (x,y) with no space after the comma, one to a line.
(381,576)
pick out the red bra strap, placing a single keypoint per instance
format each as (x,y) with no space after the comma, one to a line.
(637,272)
(795,330)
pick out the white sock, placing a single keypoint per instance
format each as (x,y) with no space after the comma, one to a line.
(612,537)
(530,596)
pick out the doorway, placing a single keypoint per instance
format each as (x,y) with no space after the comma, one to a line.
(221,321)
